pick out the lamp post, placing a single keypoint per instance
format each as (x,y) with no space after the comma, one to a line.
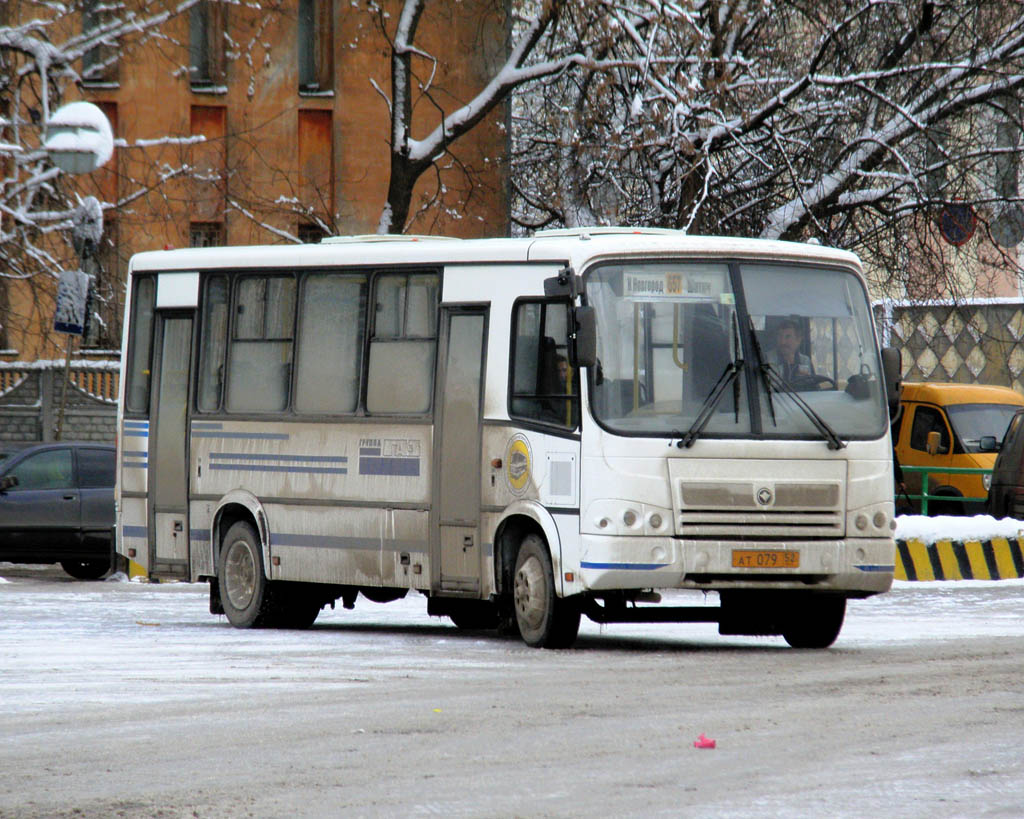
(78,140)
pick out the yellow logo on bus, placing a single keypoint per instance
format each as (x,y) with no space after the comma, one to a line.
(517,463)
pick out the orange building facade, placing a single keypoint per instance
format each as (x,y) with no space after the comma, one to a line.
(252,123)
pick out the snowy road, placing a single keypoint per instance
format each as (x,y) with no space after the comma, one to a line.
(130,699)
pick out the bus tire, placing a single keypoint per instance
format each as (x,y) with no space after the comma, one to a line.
(86,569)
(814,622)
(474,615)
(545,620)
(244,589)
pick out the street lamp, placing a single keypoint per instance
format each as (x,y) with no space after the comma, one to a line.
(78,141)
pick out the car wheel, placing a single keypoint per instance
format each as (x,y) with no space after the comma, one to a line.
(86,569)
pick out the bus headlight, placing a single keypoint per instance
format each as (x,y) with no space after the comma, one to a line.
(986,481)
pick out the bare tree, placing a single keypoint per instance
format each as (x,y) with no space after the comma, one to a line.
(50,53)
(534,52)
(866,125)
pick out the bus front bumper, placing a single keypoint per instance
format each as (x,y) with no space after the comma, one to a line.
(857,565)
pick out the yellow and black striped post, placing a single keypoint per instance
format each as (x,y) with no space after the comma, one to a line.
(996,559)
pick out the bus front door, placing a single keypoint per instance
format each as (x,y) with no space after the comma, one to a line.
(456,552)
(168,447)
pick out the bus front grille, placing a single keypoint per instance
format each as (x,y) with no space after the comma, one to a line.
(761,508)
(732,524)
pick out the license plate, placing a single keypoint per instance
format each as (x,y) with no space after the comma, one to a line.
(765,559)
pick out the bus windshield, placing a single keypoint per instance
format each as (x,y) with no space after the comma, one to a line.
(795,345)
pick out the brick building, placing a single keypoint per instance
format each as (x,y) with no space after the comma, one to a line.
(269,122)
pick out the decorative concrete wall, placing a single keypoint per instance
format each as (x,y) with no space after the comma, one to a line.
(33,393)
(973,341)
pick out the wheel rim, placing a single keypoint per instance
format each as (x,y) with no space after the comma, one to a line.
(239,575)
(531,593)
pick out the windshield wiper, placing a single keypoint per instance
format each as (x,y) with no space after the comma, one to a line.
(728,376)
(834,441)
(771,378)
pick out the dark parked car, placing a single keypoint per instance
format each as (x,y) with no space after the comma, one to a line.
(1006,490)
(57,506)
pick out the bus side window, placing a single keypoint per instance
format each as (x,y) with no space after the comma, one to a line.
(213,344)
(260,354)
(400,375)
(330,348)
(542,385)
(143,302)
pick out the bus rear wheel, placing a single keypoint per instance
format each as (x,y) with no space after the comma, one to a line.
(814,622)
(244,588)
(545,620)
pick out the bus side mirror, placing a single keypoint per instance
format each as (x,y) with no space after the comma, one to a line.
(586,337)
(988,443)
(891,374)
(932,446)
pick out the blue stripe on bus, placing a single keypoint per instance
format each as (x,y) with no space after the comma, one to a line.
(369,450)
(634,567)
(136,433)
(244,436)
(247,456)
(134,453)
(135,464)
(310,470)
(134,531)
(206,425)
(403,467)
(875,567)
(136,424)
(327,542)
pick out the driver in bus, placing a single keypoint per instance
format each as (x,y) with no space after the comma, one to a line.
(785,357)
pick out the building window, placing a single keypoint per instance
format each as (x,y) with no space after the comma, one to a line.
(207,30)
(206,234)
(99,63)
(316,45)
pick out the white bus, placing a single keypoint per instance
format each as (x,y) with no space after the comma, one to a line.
(523,430)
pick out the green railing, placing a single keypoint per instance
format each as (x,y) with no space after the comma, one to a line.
(924,471)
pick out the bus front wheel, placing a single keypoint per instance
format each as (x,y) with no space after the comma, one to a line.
(244,589)
(814,622)
(545,620)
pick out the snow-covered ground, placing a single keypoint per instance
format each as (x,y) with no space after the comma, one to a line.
(129,699)
(71,641)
